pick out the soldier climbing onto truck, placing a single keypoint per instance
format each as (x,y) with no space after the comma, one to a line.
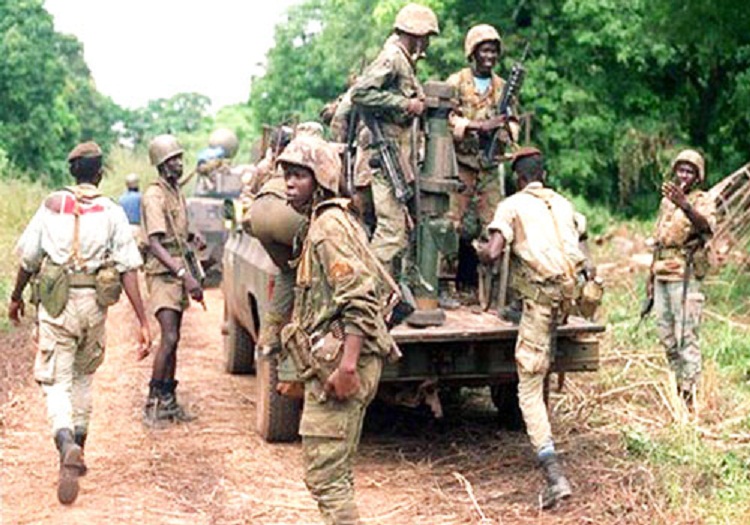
(543,231)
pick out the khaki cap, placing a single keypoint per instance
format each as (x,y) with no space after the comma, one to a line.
(88,149)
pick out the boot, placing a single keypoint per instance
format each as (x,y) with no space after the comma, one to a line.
(79,436)
(557,487)
(151,410)
(71,466)
(170,408)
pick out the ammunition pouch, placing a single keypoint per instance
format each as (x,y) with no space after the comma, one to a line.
(108,285)
(560,294)
(315,356)
(54,287)
(590,298)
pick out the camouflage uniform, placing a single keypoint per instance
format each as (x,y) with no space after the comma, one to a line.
(338,282)
(165,211)
(71,345)
(543,231)
(673,231)
(384,89)
(473,208)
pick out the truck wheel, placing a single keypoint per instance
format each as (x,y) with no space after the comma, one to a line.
(239,347)
(505,399)
(277,417)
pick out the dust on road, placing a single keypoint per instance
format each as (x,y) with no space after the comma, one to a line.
(216,470)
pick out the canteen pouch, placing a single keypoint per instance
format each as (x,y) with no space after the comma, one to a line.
(296,343)
(108,285)
(54,288)
(591,298)
(326,353)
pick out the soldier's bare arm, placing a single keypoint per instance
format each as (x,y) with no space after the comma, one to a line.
(674,193)
(491,250)
(130,285)
(17,307)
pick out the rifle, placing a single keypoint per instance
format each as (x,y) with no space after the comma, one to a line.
(648,303)
(510,92)
(192,264)
(388,160)
(351,151)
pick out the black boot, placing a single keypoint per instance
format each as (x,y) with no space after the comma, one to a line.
(169,405)
(557,487)
(71,466)
(80,436)
(151,408)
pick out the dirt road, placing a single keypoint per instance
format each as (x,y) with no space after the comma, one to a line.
(216,470)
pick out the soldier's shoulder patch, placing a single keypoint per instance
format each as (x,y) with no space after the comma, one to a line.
(340,270)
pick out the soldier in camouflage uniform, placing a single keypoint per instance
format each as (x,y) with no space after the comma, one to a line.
(169,282)
(339,301)
(76,232)
(687,217)
(473,123)
(543,232)
(389,90)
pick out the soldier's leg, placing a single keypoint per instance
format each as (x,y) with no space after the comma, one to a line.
(689,349)
(533,361)
(489,195)
(390,236)
(330,435)
(665,320)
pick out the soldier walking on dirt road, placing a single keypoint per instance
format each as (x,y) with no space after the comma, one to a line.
(80,247)
(165,223)
(389,91)
(687,217)
(337,337)
(543,231)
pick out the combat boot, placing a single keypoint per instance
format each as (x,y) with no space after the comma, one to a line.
(151,410)
(80,435)
(71,466)
(169,407)
(558,487)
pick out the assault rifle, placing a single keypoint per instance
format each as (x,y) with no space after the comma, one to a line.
(387,159)
(351,151)
(510,91)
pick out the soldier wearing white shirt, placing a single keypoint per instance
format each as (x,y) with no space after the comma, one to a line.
(80,247)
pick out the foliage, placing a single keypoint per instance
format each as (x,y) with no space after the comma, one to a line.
(181,113)
(615,86)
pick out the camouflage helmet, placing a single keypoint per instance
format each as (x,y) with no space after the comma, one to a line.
(478,34)
(692,157)
(162,148)
(225,139)
(318,156)
(418,20)
(311,127)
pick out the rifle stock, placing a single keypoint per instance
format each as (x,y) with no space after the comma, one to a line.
(388,160)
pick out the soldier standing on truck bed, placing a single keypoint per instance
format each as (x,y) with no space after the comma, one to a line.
(389,92)
(337,328)
(80,247)
(474,123)
(543,231)
(686,220)
(169,281)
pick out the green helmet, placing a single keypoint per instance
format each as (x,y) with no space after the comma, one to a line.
(225,139)
(318,156)
(162,148)
(418,20)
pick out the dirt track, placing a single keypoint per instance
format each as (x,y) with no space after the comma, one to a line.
(217,471)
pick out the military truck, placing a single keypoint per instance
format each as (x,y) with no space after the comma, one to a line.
(472,347)
(217,181)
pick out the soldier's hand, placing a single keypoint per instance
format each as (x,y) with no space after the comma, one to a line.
(491,124)
(16,310)
(415,107)
(483,252)
(674,193)
(193,287)
(343,384)
(144,343)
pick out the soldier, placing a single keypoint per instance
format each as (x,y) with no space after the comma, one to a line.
(543,231)
(131,203)
(474,123)
(169,282)
(80,246)
(687,217)
(388,91)
(338,309)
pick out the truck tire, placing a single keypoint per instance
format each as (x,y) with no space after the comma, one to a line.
(505,399)
(277,417)
(239,347)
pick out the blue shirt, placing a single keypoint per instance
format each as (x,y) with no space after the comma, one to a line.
(482,84)
(131,203)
